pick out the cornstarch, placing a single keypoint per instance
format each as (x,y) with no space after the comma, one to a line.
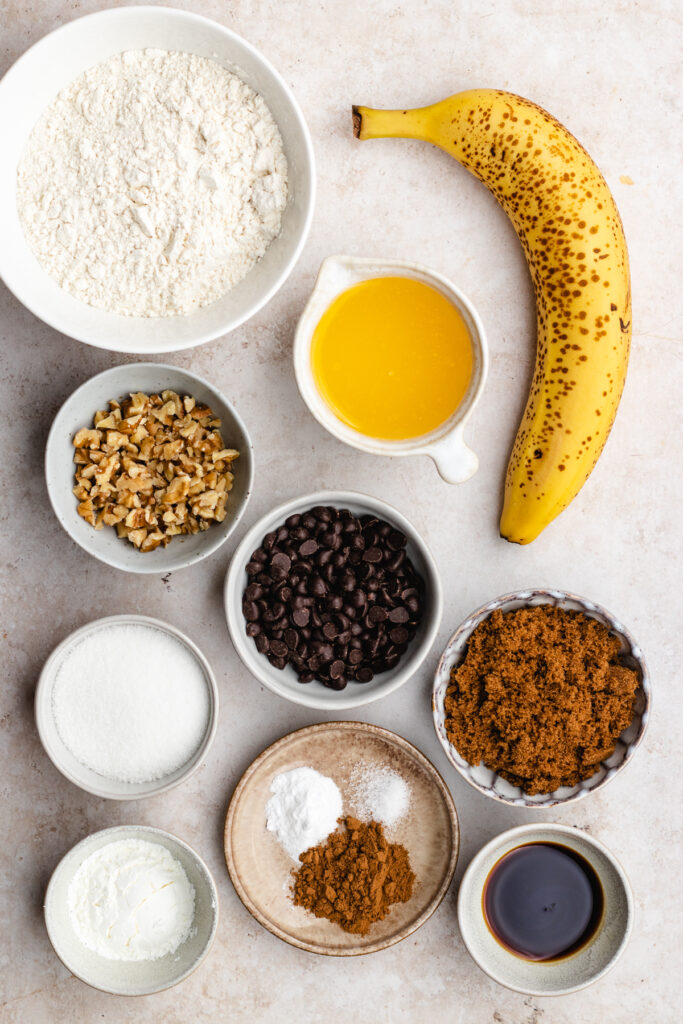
(152,184)
(131,702)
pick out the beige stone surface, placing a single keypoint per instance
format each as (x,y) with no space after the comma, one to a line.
(612,73)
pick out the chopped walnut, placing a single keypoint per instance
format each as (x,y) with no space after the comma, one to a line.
(154,467)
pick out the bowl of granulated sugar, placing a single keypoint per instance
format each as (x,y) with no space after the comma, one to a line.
(126,707)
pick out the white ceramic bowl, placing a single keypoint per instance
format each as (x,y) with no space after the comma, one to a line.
(142,977)
(284,682)
(489,782)
(69,765)
(78,411)
(33,83)
(570,973)
(445,445)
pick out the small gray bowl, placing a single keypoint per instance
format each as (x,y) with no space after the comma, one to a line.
(80,774)
(78,411)
(489,782)
(284,682)
(555,977)
(140,977)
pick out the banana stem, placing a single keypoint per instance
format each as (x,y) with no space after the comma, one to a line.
(369,123)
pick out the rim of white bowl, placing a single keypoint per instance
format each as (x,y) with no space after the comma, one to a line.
(120,831)
(241,641)
(213,538)
(6,84)
(555,827)
(525,594)
(46,682)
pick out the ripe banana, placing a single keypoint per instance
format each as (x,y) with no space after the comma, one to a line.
(567,221)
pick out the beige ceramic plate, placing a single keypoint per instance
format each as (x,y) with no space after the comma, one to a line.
(260,868)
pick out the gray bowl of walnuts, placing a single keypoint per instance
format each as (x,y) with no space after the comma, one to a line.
(148,467)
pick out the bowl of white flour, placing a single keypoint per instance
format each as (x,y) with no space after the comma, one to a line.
(131,910)
(157,180)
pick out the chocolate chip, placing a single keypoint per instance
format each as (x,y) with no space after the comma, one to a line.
(399,635)
(309,547)
(372,554)
(364,675)
(281,562)
(396,540)
(376,615)
(399,614)
(250,610)
(262,643)
(301,616)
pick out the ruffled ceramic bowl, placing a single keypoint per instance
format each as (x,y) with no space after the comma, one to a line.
(445,445)
(489,782)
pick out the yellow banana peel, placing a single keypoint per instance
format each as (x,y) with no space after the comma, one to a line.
(569,226)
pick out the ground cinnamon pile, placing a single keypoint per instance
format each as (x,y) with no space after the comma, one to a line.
(540,697)
(354,876)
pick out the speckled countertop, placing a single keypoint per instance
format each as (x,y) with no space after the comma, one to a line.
(611,72)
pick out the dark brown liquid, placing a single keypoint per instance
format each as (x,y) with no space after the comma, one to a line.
(543,901)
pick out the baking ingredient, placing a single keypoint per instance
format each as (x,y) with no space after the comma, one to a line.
(334,595)
(131,900)
(155,467)
(543,901)
(152,184)
(130,701)
(303,809)
(354,878)
(540,697)
(571,232)
(379,793)
(392,357)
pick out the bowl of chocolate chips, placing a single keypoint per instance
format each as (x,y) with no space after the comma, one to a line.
(333,600)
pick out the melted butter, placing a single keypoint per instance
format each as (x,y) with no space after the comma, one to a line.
(392,357)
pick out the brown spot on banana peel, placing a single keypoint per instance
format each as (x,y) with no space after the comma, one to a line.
(572,237)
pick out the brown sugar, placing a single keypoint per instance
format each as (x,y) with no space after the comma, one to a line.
(540,697)
(354,876)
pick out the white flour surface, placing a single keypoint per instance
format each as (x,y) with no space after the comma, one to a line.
(153,183)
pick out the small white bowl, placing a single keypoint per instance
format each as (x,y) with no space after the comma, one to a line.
(489,782)
(445,445)
(33,83)
(78,411)
(80,774)
(570,973)
(284,682)
(140,977)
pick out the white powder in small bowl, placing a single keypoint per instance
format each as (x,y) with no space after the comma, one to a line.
(379,793)
(130,702)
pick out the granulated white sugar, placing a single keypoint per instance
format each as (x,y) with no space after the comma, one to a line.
(380,794)
(131,702)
